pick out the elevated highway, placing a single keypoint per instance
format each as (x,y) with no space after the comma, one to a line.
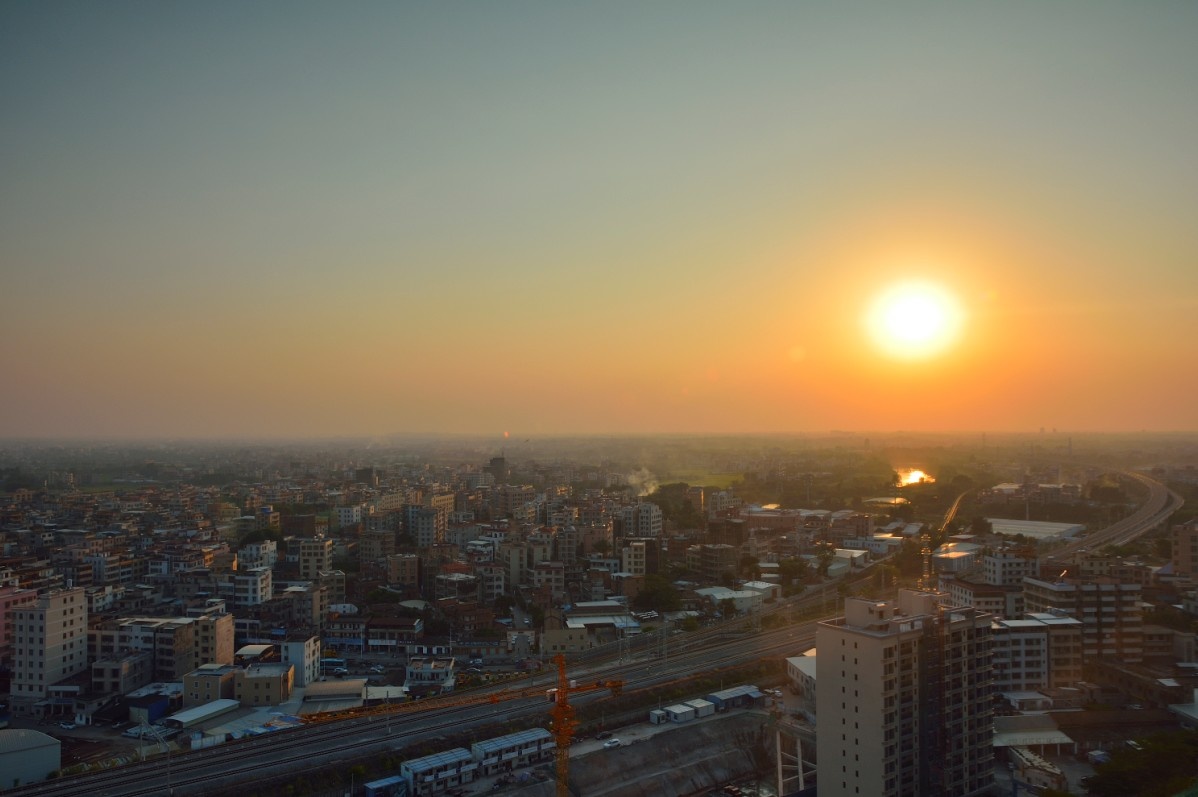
(1161,503)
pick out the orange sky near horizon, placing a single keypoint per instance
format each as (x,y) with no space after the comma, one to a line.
(678,228)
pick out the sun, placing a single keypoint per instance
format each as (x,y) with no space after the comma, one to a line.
(914,320)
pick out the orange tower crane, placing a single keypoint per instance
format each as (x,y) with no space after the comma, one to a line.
(563,718)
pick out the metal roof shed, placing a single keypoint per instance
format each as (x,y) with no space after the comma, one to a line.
(522,742)
(190,717)
(735,697)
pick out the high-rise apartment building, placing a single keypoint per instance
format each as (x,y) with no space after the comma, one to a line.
(1109,610)
(1185,549)
(11,596)
(49,643)
(904,699)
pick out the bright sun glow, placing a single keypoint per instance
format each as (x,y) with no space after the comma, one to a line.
(914,476)
(914,320)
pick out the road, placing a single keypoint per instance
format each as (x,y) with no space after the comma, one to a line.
(1162,502)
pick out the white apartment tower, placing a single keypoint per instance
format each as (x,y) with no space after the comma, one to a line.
(633,557)
(642,520)
(904,700)
(49,643)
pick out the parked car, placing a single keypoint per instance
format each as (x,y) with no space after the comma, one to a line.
(67,726)
(610,743)
(603,735)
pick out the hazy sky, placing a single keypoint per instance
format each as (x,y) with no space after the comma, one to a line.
(278,219)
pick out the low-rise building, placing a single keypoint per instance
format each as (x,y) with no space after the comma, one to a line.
(424,675)
(440,772)
(520,749)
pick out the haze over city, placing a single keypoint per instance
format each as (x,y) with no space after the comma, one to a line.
(292,220)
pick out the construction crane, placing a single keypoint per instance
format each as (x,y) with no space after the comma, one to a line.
(564,723)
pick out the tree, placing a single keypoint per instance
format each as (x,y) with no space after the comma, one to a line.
(825,556)
(979,525)
(657,594)
(792,572)
(728,608)
(749,568)
(1165,764)
(503,606)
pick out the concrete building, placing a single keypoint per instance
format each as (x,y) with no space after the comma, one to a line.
(904,699)
(492,582)
(266,684)
(49,643)
(551,576)
(315,557)
(245,588)
(711,562)
(214,639)
(1185,550)
(119,676)
(171,641)
(264,553)
(347,516)
(424,525)
(403,570)
(633,558)
(1112,624)
(304,656)
(424,675)
(1040,651)
(10,598)
(642,520)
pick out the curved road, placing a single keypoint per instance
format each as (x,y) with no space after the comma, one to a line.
(1162,502)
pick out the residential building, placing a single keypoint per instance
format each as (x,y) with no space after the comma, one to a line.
(1039,651)
(214,639)
(315,557)
(712,562)
(403,569)
(11,597)
(1185,550)
(264,553)
(1109,610)
(49,643)
(124,674)
(633,557)
(904,699)
(642,520)
(424,675)
(303,654)
(171,641)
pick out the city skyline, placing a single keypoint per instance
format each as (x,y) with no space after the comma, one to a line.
(275,220)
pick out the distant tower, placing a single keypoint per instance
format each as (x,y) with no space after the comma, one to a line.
(498,469)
